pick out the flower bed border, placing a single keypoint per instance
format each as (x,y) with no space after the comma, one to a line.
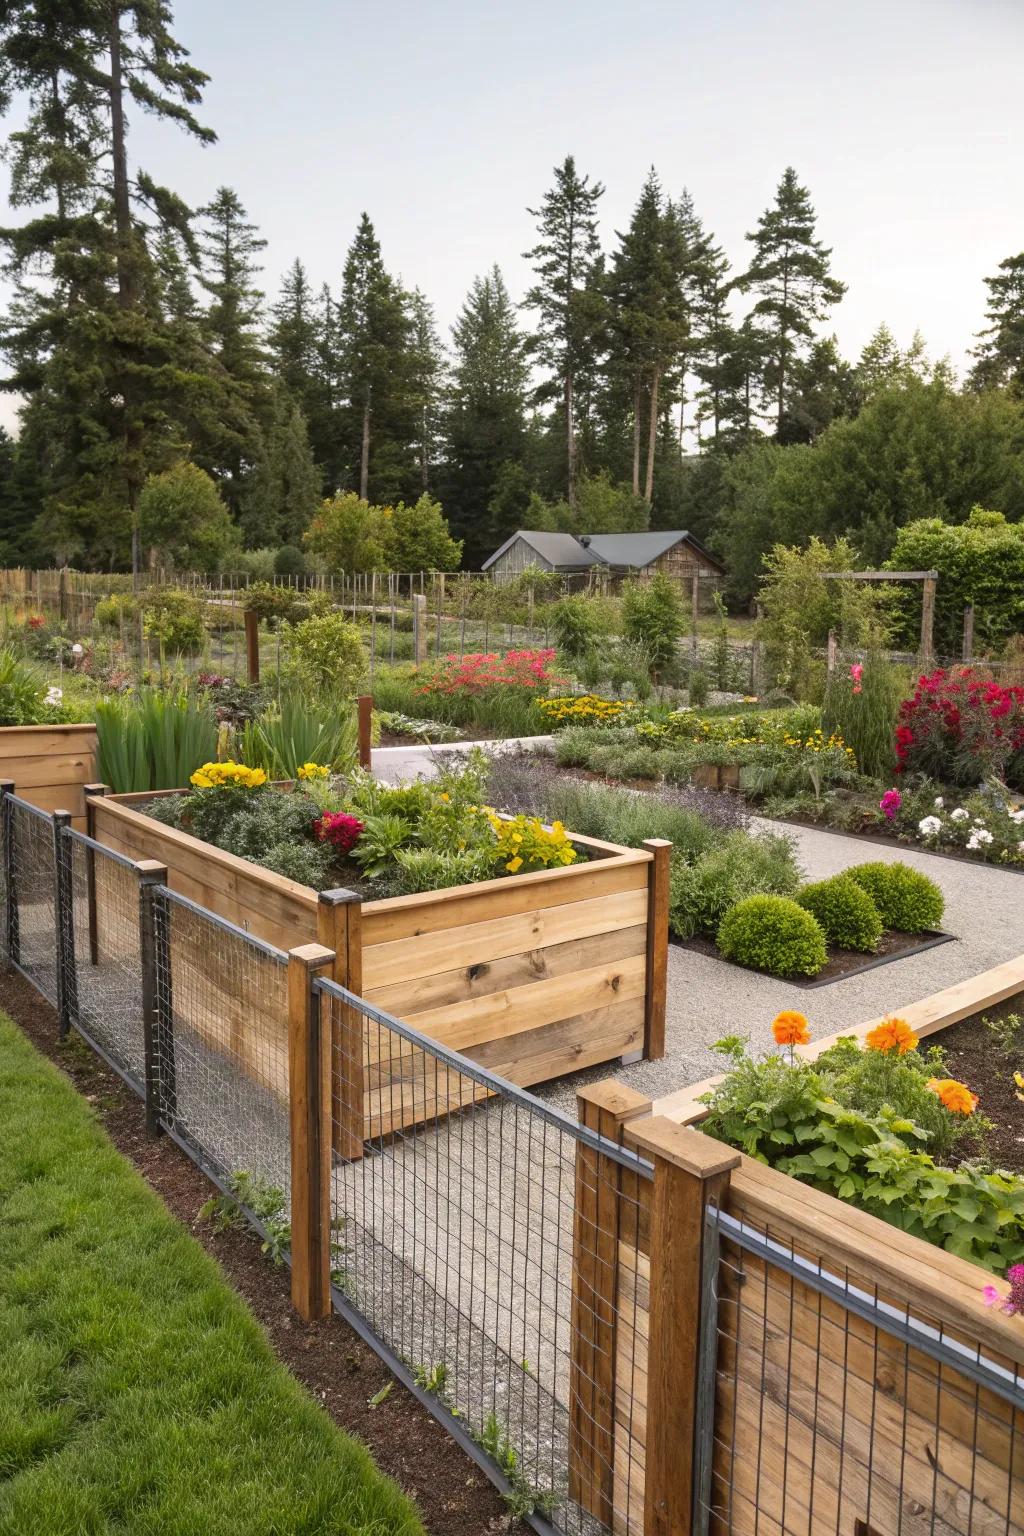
(931,938)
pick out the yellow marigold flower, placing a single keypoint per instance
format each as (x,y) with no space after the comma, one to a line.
(1018,1078)
(314,771)
(790,1028)
(514,864)
(891,1035)
(954,1096)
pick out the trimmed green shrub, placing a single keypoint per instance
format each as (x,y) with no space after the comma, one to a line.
(773,934)
(846,912)
(906,900)
(289,561)
(701,893)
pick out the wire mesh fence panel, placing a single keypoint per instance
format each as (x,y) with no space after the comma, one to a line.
(838,1409)
(32,922)
(220,1037)
(101,953)
(456,1202)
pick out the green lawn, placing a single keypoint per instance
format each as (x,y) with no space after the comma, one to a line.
(137,1393)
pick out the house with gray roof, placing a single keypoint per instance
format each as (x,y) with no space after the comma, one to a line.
(608,556)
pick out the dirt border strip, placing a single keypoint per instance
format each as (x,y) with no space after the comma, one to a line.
(339,1370)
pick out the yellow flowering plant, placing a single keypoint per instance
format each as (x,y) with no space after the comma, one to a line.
(585,709)
(228,775)
(524,844)
(312,771)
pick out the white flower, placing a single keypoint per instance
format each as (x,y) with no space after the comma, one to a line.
(939,802)
(77,650)
(979,821)
(960,814)
(1017,815)
(929,825)
(1020,847)
(54,697)
(978,839)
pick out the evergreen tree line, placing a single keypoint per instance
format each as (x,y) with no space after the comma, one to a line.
(649,383)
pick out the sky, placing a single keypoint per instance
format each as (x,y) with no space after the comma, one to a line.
(443,121)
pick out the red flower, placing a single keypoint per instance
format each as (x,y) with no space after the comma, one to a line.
(341,831)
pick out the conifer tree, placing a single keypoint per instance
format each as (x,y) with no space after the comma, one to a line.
(426,382)
(374,328)
(285,486)
(1000,357)
(648,313)
(485,425)
(567,294)
(292,336)
(790,275)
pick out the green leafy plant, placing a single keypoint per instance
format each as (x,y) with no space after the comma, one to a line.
(654,615)
(155,740)
(738,866)
(324,655)
(173,617)
(698,687)
(785,1115)
(906,900)
(383,835)
(247,1194)
(432,1378)
(280,741)
(21,692)
(773,934)
(846,912)
(1006,1031)
(884,1082)
(522,1499)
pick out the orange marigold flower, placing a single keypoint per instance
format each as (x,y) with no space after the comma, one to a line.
(790,1028)
(956,1097)
(891,1035)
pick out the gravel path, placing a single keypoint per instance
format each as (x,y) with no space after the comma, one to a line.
(708,998)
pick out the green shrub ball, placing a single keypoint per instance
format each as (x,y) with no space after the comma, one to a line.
(773,934)
(846,912)
(906,900)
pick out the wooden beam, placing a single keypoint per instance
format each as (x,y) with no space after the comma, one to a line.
(309,1092)
(657,947)
(252,644)
(880,576)
(339,928)
(364,704)
(927,619)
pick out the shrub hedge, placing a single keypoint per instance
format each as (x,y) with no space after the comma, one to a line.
(773,934)
(906,900)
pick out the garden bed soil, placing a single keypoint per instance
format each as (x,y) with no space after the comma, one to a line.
(841,963)
(334,1365)
(974,1058)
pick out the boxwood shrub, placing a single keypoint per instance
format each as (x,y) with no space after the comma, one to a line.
(906,900)
(846,912)
(773,934)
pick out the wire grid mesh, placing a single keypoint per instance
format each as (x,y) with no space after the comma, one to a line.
(220,1037)
(839,1409)
(32,878)
(456,1201)
(101,952)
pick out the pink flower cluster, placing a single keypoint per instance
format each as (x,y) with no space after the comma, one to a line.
(340,830)
(1014,1303)
(856,674)
(480,671)
(890,803)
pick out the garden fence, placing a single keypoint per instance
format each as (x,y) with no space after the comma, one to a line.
(448,1215)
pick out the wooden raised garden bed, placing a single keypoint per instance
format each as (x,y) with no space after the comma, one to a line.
(531,977)
(50,765)
(818,1416)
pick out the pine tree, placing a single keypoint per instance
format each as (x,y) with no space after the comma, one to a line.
(790,274)
(824,388)
(374,332)
(426,382)
(567,294)
(89,341)
(285,487)
(648,313)
(292,336)
(485,426)
(1000,357)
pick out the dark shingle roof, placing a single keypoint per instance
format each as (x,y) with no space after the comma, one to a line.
(623,550)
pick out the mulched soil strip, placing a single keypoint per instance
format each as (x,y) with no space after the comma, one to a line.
(339,1370)
(841,963)
(974,1058)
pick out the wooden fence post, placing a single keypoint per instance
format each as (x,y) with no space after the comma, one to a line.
(419,628)
(64,922)
(252,645)
(339,928)
(831,652)
(691,1171)
(607,1207)
(364,705)
(694,608)
(968,647)
(927,619)
(92,792)
(309,1096)
(657,947)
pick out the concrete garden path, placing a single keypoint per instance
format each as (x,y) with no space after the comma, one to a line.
(708,998)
